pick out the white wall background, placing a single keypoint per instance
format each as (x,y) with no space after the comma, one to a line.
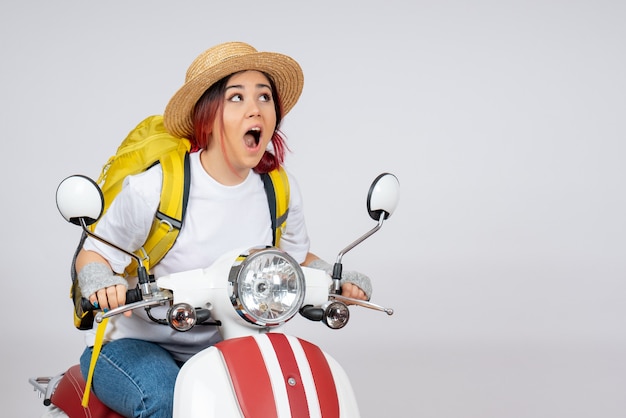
(504,121)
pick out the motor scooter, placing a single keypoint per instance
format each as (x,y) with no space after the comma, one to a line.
(255,371)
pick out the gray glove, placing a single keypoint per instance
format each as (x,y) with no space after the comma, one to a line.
(354,277)
(95,276)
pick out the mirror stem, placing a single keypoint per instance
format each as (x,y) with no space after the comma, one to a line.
(337,268)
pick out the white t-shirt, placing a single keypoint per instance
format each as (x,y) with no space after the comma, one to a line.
(218,219)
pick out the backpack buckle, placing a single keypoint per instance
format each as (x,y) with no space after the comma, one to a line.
(143,254)
(167,223)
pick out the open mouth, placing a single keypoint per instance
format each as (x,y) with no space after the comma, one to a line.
(252,138)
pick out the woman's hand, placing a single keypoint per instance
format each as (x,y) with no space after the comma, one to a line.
(106,290)
(353,284)
(110,298)
(353,291)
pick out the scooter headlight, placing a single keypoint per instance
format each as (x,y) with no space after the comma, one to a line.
(266,286)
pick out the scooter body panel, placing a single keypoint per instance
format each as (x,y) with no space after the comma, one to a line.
(268,375)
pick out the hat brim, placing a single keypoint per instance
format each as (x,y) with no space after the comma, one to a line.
(284,71)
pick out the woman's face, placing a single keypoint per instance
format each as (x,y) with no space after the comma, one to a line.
(249,119)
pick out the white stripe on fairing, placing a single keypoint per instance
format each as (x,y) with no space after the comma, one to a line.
(276,375)
(307,378)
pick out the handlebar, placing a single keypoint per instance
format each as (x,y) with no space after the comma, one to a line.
(132,295)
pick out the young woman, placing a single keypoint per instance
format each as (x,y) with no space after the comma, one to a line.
(230,108)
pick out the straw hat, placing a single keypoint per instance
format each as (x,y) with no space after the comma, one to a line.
(220,61)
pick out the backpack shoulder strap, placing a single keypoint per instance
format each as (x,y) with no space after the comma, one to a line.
(277,190)
(172,207)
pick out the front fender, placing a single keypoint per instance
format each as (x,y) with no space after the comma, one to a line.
(263,376)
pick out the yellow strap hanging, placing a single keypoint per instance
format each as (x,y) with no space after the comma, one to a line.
(281,191)
(94,358)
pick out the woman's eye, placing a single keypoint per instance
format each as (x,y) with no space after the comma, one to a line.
(237,97)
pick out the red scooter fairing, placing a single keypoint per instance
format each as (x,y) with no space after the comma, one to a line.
(304,376)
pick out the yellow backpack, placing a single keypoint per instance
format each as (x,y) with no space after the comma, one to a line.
(146,145)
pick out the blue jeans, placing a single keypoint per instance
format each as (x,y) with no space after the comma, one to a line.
(133,377)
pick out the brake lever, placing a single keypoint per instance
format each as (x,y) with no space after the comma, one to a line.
(360,302)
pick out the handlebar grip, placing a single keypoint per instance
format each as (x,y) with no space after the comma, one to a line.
(132,295)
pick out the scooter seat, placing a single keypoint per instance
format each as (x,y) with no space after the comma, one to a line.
(68,396)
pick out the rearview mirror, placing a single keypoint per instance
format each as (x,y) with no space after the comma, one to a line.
(383,196)
(80,197)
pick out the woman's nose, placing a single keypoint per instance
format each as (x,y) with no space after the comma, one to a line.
(253,109)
